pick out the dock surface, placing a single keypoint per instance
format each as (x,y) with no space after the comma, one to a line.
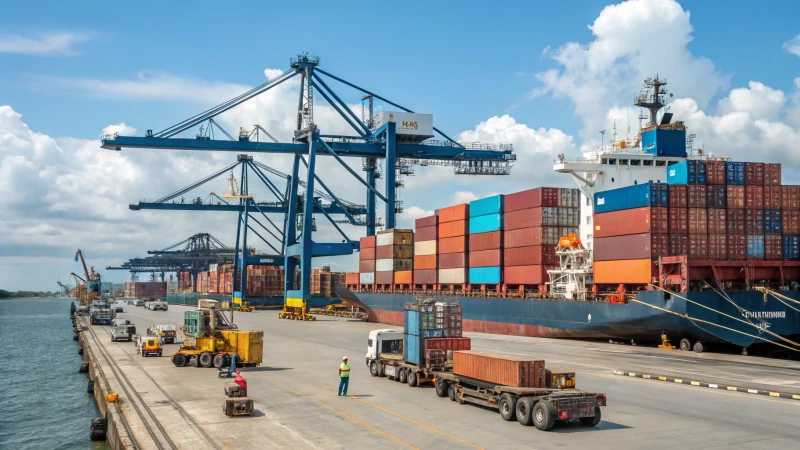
(166,407)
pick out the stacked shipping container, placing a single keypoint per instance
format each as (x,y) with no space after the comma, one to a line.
(145,289)
(452,244)
(366,260)
(440,323)
(426,260)
(264,281)
(485,240)
(394,253)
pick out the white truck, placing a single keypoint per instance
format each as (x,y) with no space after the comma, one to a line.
(159,305)
(123,332)
(385,358)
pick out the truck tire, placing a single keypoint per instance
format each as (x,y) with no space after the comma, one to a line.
(442,387)
(206,359)
(179,359)
(401,376)
(373,369)
(698,347)
(686,344)
(508,407)
(412,379)
(219,360)
(544,415)
(525,411)
(451,392)
(591,421)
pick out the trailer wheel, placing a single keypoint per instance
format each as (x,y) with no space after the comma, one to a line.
(686,344)
(411,378)
(373,369)
(219,360)
(698,347)
(401,376)
(525,411)
(544,415)
(179,359)
(206,359)
(508,407)
(451,392)
(442,387)
(591,421)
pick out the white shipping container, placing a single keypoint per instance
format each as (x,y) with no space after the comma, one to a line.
(394,237)
(452,276)
(425,248)
(412,126)
(393,265)
(366,278)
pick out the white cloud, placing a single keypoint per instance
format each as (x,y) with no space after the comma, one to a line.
(758,100)
(793,46)
(462,197)
(632,41)
(43,44)
(410,214)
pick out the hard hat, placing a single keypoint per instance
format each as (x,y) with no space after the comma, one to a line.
(344,359)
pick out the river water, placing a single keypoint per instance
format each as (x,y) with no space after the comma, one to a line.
(43,398)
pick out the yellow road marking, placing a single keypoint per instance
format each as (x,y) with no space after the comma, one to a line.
(341,413)
(394,414)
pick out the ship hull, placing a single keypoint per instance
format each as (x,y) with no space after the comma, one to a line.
(651,314)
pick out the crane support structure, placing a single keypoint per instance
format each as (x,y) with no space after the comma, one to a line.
(371,141)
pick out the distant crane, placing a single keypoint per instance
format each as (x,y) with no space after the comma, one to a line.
(92,282)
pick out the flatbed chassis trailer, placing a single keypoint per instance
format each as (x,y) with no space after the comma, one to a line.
(540,407)
(399,370)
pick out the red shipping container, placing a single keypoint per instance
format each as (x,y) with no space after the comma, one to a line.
(453,261)
(455,344)
(527,275)
(500,370)
(678,244)
(717,247)
(754,197)
(366,266)
(367,242)
(698,221)
(772,174)
(425,262)
(486,258)
(453,245)
(384,277)
(424,222)
(453,229)
(678,197)
(532,217)
(791,223)
(632,246)
(528,256)
(394,251)
(715,172)
(532,198)
(773,248)
(526,237)
(678,220)
(735,196)
(485,241)
(790,198)
(772,197)
(425,234)
(715,196)
(754,221)
(737,247)
(697,196)
(631,221)
(366,254)
(736,222)
(425,276)
(717,221)
(698,246)
(754,173)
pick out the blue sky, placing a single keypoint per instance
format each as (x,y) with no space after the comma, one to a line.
(531,73)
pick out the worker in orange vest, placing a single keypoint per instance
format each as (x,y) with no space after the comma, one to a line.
(344,376)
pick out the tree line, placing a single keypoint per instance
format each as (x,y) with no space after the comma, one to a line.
(26,294)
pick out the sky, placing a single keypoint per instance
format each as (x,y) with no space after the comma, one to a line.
(540,75)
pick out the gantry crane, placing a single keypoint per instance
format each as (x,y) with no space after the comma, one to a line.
(381,140)
(92,282)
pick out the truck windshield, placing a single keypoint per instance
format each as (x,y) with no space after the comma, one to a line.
(393,346)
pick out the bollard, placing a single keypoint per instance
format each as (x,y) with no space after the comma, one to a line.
(90,387)
(97,429)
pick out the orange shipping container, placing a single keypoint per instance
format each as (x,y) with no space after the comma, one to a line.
(366,254)
(628,271)
(367,242)
(403,277)
(499,370)
(453,229)
(351,278)
(424,262)
(453,213)
(453,245)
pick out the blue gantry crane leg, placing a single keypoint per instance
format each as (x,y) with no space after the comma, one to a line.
(367,143)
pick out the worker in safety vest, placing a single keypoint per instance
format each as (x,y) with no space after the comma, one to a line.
(344,376)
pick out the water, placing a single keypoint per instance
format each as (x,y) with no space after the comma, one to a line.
(43,397)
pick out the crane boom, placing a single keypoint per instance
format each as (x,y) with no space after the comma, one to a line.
(79,254)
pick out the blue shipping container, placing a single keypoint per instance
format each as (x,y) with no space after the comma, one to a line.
(772,221)
(755,247)
(411,323)
(484,224)
(433,333)
(734,173)
(629,197)
(411,349)
(687,172)
(665,142)
(659,194)
(791,247)
(484,275)
(486,206)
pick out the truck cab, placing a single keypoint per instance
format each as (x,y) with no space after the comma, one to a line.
(158,305)
(164,332)
(123,332)
(148,345)
(384,342)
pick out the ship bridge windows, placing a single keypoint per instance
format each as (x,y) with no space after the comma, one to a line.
(604,161)
(623,162)
(636,162)
(612,161)
(647,162)
(661,163)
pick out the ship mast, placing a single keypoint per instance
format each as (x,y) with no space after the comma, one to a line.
(655,101)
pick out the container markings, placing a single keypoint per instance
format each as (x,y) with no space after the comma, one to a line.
(709,385)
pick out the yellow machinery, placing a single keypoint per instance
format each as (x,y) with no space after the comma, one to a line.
(295,309)
(342,310)
(148,345)
(238,305)
(211,340)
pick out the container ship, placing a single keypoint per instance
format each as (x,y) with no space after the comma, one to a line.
(659,242)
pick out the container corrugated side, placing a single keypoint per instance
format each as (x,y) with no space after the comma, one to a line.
(717,221)
(525,237)
(452,260)
(791,223)
(423,222)
(716,196)
(532,198)
(425,248)
(772,174)
(773,197)
(631,221)
(393,265)
(486,206)
(791,248)
(632,246)
(367,242)
(484,275)
(737,247)
(499,370)
(532,217)
(366,277)
(773,222)
(697,196)
(366,254)
(394,251)
(486,241)
(454,213)
(351,278)
(486,223)
(754,173)
(629,271)
(678,196)
(452,276)
(754,197)
(678,244)
(569,198)
(527,275)
(425,234)
(687,172)
(735,221)
(452,245)
(394,237)
(717,247)
(679,220)
(790,198)
(366,266)
(629,197)
(384,277)
(698,246)
(735,196)
(755,247)
(403,277)
(715,172)
(425,276)
(773,247)
(698,220)
(531,255)
(424,262)
(485,258)
(453,229)
(754,221)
